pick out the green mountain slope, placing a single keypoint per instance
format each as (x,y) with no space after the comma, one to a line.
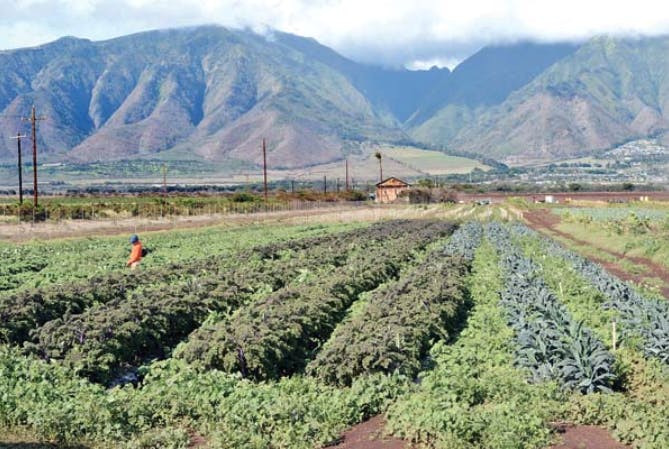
(399,92)
(483,80)
(608,92)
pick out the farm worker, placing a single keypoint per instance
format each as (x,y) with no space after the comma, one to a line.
(136,253)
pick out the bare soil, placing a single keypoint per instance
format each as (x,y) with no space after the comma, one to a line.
(546,222)
(369,435)
(585,437)
(196,440)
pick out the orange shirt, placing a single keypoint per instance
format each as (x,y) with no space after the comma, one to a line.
(136,254)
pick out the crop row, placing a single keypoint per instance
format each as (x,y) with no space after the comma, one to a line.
(277,336)
(610,213)
(400,323)
(77,260)
(105,340)
(20,313)
(473,396)
(639,316)
(550,344)
(9,270)
(465,241)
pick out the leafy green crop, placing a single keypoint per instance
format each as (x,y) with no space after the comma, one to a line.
(550,343)
(108,339)
(402,321)
(276,336)
(474,397)
(640,317)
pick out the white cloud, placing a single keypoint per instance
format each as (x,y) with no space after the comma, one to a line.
(407,32)
(426,64)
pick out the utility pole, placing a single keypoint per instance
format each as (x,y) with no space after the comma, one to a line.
(164,179)
(33,120)
(18,143)
(347,185)
(325,184)
(264,167)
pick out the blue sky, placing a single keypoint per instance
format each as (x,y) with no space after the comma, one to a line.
(416,34)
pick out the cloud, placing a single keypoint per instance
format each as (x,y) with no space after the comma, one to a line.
(412,33)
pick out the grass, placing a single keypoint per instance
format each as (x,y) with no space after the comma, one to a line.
(431,162)
(67,260)
(652,245)
(650,285)
(363,169)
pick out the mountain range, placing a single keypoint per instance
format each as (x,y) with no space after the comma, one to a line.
(214,93)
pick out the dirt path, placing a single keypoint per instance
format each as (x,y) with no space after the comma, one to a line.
(369,435)
(546,222)
(585,437)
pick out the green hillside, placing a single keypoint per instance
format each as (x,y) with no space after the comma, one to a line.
(608,92)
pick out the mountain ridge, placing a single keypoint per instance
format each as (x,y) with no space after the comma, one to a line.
(608,92)
(197,88)
(213,93)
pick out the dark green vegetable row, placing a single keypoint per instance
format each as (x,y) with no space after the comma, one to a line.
(106,340)
(640,318)
(23,312)
(277,336)
(398,325)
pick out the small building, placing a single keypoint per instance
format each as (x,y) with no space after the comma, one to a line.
(389,189)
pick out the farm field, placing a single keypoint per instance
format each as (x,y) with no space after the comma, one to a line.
(402,161)
(463,329)
(630,240)
(431,162)
(328,213)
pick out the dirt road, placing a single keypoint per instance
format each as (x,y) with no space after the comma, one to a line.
(547,223)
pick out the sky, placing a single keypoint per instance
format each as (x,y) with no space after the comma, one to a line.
(410,33)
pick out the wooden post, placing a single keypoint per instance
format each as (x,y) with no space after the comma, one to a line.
(347,185)
(33,120)
(20,163)
(264,167)
(164,180)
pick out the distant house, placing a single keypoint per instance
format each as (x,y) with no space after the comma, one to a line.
(389,189)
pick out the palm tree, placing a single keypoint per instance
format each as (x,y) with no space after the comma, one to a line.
(379,157)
